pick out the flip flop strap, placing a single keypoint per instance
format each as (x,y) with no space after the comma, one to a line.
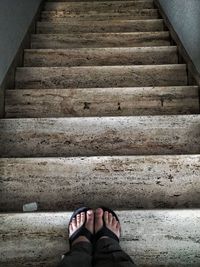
(104,231)
(81,232)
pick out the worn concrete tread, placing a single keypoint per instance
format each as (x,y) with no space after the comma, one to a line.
(97,6)
(101,26)
(91,0)
(35,103)
(81,40)
(100,136)
(100,56)
(66,183)
(60,16)
(151,238)
(101,76)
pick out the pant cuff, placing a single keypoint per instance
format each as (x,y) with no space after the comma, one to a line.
(82,246)
(107,243)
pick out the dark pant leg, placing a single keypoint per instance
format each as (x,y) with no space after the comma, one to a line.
(80,255)
(108,253)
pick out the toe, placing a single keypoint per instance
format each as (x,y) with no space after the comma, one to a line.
(110,218)
(90,215)
(74,223)
(114,222)
(90,221)
(78,220)
(70,228)
(82,218)
(106,217)
(98,219)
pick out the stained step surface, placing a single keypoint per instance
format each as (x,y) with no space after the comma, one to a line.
(35,103)
(134,14)
(66,183)
(100,56)
(92,0)
(151,238)
(101,76)
(100,136)
(97,6)
(100,40)
(101,26)
(146,161)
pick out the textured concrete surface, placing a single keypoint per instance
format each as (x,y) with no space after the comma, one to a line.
(35,103)
(100,40)
(101,26)
(101,76)
(112,176)
(118,182)
(100,56)
(100,136)
(130,14)
(151,238)
(93,1)
(98,7)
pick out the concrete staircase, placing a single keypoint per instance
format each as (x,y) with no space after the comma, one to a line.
(102,113)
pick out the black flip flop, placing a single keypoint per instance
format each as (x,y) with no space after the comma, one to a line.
(82,231)
(104,231)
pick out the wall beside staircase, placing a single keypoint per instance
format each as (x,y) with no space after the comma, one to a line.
(15,19)
(184,15)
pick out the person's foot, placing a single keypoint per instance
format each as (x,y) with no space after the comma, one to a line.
(88,219)
(110,222)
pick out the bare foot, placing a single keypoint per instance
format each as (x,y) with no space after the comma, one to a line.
(88,219)
(110,222)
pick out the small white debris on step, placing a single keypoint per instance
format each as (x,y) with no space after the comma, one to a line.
(30,207)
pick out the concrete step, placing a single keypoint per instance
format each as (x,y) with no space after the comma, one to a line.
(133,39)
(151,238)
(100,136)
(101,76)
(35,103)
(134,14)
(93,0)
(152,25)
(100,56)
(137,181)
(98,6)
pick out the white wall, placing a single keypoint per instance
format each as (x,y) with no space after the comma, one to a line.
(184,15)
(15,19)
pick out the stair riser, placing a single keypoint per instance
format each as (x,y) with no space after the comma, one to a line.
(100,40)
(108,6)
(98,26)
(131,14)
(99,136)
(101,102)
(148,182)
(100,57)
(163,238)
(101,77)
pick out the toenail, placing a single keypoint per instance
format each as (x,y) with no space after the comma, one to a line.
(89,212)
